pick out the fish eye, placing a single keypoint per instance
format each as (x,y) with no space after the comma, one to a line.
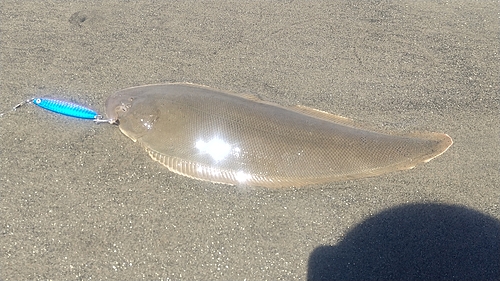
(122,108)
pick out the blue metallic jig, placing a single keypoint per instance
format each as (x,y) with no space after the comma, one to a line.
(66,108)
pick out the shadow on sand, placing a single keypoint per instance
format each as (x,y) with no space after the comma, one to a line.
(414,242)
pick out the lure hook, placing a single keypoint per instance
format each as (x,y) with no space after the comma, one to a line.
(14,108)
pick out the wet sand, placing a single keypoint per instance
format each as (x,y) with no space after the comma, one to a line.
(81,201)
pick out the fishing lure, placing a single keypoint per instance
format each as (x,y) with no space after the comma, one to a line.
(65,108)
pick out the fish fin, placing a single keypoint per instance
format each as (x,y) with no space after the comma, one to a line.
(205,172)
(200,171)
(247,96)
(251,97)
(444,142)
(325,115)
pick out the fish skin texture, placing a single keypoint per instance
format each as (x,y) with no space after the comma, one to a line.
(215,136)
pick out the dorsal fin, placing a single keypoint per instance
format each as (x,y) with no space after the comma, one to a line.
(324,115)
(251,97)
(247,96)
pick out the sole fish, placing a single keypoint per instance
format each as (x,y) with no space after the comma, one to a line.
(222,137)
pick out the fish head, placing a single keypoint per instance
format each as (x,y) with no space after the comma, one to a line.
(133,112)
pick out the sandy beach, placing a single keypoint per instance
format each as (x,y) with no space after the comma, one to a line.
(82,201)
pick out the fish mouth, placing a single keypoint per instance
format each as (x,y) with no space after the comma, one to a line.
(116,105)
(111,104)
(119,102)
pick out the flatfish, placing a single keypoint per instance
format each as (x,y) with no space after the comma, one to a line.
(216,136)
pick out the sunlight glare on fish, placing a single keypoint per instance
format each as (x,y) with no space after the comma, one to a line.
(217,148)
(242,176)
